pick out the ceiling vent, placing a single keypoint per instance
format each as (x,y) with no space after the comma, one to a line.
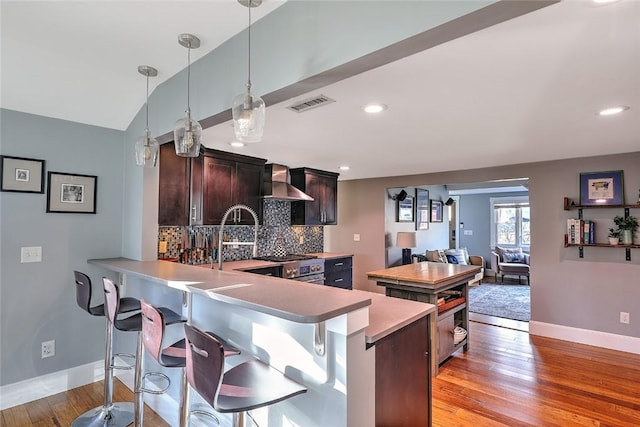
(309,103)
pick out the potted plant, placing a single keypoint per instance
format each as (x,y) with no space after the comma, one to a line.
(627,227)
(614,236)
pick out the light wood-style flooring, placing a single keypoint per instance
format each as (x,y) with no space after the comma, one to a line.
(507,378)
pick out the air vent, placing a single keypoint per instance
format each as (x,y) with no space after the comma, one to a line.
(309,103)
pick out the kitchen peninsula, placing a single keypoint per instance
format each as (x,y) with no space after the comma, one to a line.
(428,282)
(342,345)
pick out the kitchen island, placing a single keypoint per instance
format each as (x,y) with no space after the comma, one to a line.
(430,282)
(325,338)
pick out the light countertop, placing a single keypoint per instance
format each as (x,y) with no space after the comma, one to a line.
(288,299)
(425,274)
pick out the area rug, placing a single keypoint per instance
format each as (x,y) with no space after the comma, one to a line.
(508,301)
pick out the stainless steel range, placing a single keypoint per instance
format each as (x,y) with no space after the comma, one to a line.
(304,268)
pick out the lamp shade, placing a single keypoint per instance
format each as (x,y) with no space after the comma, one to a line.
(406,239)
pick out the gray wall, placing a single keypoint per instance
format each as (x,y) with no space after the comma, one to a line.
(583,293)
(475,213)
(37,301)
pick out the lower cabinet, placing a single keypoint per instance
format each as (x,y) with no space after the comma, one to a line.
(403,377)
(338,272)
(447,322)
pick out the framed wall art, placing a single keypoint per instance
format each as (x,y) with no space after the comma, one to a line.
(422,209)
(601,188)
(22,175)
(404,209)
(436,210)
(71,193)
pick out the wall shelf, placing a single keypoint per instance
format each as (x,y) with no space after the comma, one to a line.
(569,205)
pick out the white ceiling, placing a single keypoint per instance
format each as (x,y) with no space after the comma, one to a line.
(525,90)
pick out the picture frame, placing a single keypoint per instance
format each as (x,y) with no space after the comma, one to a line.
(602,188)
(71,193)
(422,209)
(436,207)
(404,209)
(22,175)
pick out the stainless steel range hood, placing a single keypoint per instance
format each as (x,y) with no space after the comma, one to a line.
(277,185)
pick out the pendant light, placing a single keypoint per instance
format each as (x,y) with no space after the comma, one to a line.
(248,111)
(147,147)
(187,132)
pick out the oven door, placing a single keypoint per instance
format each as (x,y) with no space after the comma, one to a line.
(316,279)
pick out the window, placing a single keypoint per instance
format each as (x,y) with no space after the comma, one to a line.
(510,222)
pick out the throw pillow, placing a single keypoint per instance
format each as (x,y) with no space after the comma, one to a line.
(458,255)
(503,251)
(436,256)
(452,259)
(514,257)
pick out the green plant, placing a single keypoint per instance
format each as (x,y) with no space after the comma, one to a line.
(614,232)
(628,223)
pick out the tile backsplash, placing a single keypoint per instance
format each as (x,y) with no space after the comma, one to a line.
(274,233)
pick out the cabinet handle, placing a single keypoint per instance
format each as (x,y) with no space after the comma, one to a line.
(338,264)
(338,280)
(195,214)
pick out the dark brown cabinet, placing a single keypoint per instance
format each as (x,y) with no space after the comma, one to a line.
(198,191)
(403,378)
(323,187)
(231,179)
(180,188)
(338,272)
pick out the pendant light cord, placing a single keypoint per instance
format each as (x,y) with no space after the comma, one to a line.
(188,76)
(249,76)
(147,101)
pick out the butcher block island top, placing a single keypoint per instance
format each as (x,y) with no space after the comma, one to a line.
(429,275)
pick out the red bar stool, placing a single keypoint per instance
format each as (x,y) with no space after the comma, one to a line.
(250,385)
(112,414)
(173,356)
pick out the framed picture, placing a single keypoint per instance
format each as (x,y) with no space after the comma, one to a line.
(22,175)
(404,209)
(436,210)
(601,188)
(422,209)
(71,193)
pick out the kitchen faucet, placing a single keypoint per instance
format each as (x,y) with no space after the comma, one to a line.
(255,233)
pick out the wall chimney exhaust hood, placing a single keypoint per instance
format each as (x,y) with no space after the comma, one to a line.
(277,185)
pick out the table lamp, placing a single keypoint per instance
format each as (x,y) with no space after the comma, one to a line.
(406,240)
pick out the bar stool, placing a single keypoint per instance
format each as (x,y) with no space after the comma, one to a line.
(132,323)
(173,356)
(110,413)
(250,385)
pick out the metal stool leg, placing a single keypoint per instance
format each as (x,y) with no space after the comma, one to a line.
(184,400)
(137,383)
(110,414)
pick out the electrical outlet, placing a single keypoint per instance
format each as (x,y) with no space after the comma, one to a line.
(302,240)
(356,237)
(624,317)
(235,246)
(31,254)
(48,349)
(162,247)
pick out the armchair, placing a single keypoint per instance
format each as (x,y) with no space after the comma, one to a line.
(510,261)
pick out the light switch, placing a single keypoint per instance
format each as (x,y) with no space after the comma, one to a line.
(468,232)
(31,254)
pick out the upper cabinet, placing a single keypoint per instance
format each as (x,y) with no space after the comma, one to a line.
(323,187)
(198,191)
(180,188)
(231,179)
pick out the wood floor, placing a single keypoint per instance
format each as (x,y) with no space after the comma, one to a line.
(507,378)
(61,409)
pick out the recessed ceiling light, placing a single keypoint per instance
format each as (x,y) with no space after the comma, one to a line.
(613,110)
(604,1)
(344,168)
(236,144)
(374,108)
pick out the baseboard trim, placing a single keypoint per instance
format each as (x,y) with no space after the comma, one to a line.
(49,384)
(585,336)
